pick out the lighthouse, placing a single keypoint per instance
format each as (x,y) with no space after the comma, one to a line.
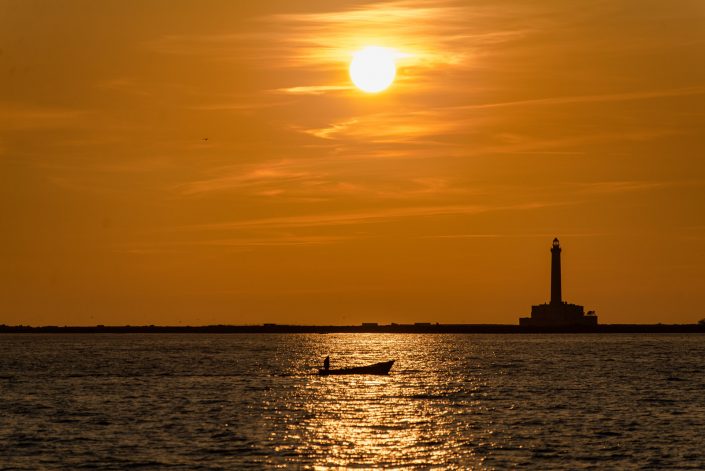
(556,297)
(558,313)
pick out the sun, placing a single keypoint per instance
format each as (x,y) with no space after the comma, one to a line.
(373,68)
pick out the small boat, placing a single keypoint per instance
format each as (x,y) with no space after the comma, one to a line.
(376,369)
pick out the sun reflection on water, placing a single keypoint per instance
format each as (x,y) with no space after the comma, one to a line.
(384,421)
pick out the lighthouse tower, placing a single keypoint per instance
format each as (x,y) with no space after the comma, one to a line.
(558,313)
(556,272)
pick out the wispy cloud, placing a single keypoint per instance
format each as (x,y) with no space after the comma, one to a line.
(446,33)
(314,89)
(252,177)
(282,240)
(364,217)
(16,116)
(598,98)
(410,125)
(404,125)
(321,179)
(128,85)
(428,34)
(540,235)
(243,104)
(611,187)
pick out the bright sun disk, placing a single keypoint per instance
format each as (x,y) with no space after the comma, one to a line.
(373,68)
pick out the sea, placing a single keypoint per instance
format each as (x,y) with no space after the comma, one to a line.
(239,401)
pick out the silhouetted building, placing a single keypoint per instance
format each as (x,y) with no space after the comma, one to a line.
(558,313)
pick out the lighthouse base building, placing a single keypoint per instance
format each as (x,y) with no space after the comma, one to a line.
(558,313)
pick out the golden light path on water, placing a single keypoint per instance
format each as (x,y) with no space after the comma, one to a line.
(396,420)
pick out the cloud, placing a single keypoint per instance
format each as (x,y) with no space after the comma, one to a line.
(17,116)
(314,89)
(428,34)
(320,179)
(614,187)
(432,127)
(398,126)
(128,85)
(540,235)
(268,241)
(364,217)
(611,187)
(598,98)
(243,104)
(445,33)
(251,177)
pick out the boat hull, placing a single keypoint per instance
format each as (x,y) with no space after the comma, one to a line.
(376,369)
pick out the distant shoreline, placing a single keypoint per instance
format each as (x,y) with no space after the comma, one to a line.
(359,329)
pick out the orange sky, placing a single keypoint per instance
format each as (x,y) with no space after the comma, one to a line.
(312,202)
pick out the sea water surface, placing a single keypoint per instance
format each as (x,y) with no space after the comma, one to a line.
(235,401)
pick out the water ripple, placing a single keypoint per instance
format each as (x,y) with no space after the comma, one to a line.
(254,401)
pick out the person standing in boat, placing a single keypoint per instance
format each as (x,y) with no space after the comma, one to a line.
(326,363)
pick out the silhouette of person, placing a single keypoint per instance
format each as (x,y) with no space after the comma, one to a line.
(326,363)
